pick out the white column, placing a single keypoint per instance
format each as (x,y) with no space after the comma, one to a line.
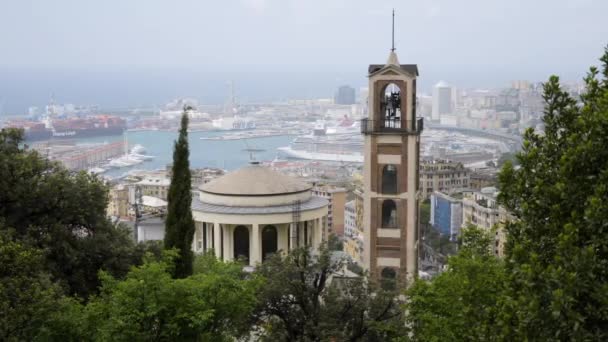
(205,236)
(283,238)
(216,240)
(209,236)
(227,242)
(256,251)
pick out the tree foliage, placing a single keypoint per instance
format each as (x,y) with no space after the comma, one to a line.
(335,243)
(62,213)
(307,298)
(150,305)
(179,231)
(557,251)
(507,156)
(460,304)
(28,297)
(425,212)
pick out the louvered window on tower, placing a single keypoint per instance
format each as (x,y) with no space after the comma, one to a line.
(389,179)
(389,214)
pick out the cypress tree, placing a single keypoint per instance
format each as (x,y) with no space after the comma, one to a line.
(179,225)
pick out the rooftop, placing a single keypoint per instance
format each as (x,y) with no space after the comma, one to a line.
(409,68)
(255,180)
(151,201)
(155,181)
(312,204)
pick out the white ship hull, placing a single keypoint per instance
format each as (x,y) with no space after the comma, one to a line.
(298,154)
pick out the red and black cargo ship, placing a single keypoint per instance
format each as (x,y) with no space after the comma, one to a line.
(71,128)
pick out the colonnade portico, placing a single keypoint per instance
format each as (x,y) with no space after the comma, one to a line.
(263,239)
(250,213)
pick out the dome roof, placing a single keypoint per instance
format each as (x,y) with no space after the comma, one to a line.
(255,180)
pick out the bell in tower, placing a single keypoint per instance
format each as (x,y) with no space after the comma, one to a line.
(391,162)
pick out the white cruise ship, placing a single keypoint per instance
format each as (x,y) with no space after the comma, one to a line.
(342,143)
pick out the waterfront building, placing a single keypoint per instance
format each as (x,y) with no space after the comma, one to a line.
(446,213)
(442,100)
(480,208)
(254,212)
(155,186)
(442,175)
(345,95)
(391,187)
(336,198)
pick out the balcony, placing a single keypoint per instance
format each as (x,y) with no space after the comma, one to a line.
(390,126)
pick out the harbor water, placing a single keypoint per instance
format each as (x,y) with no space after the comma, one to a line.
(225,154)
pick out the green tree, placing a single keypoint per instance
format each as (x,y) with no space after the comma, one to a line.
(557,249)
(459,304)
(150,305)
(306,297)
(425,212)
(28,297)
(335,243)
(179,231)
(507,156)
(62,213)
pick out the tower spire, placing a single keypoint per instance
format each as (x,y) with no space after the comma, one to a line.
(393,32)
(392,57)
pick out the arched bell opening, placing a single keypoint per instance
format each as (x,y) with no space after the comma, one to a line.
(390,106)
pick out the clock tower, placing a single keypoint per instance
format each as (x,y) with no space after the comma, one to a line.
(391,164)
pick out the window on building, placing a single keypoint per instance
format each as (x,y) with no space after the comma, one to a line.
(389,214)
(389,179)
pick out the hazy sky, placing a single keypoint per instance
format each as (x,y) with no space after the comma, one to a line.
(300,33)
(520,38)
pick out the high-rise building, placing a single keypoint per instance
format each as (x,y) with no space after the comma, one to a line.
(345,95)
(446,214)
(442,100)
(391,159)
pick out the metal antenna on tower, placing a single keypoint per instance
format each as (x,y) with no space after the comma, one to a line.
(393,32)
(252,150)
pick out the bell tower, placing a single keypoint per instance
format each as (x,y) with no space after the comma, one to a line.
(391,164)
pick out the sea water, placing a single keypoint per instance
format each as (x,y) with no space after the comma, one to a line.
(225,154)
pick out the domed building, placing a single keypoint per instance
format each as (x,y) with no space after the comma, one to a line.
(254,212)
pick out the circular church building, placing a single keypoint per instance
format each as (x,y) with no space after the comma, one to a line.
(254,212)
